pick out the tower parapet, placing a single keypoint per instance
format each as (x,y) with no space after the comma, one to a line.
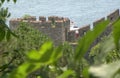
(55,27)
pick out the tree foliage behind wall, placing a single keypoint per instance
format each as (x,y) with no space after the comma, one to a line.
(16,48)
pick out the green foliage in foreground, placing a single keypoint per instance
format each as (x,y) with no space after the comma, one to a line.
(14,51)
(5,32)
(94,71)
(48,56)
(106,70)
(106,54)
(116,32)
(86,41)
(37,59)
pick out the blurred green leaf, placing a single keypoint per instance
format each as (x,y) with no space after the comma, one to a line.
(25,69)
(46,52)
(2,34)
(86,41)
(85,73)
(33,56)
(67,74)
(8,0)
(116,33)
(105,47)
(106,70)
(2,1)
(15,1)
(57,53)
(8,35)
(43,55)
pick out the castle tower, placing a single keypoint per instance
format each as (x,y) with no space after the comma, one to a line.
(55,27)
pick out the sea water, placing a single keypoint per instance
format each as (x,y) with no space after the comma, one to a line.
(81,12)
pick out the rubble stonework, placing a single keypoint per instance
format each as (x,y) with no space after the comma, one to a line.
(58,28)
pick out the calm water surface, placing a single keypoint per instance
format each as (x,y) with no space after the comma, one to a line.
(82,12)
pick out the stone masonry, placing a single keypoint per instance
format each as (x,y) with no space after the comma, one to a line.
(58,28)
(55,27)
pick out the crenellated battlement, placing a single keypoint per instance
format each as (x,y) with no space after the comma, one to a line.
(58,22)
(58,28)
(55,27)
(82,31)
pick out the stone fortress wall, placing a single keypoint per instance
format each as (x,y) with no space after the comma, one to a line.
(82,31)
(55,27)
(58,28)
